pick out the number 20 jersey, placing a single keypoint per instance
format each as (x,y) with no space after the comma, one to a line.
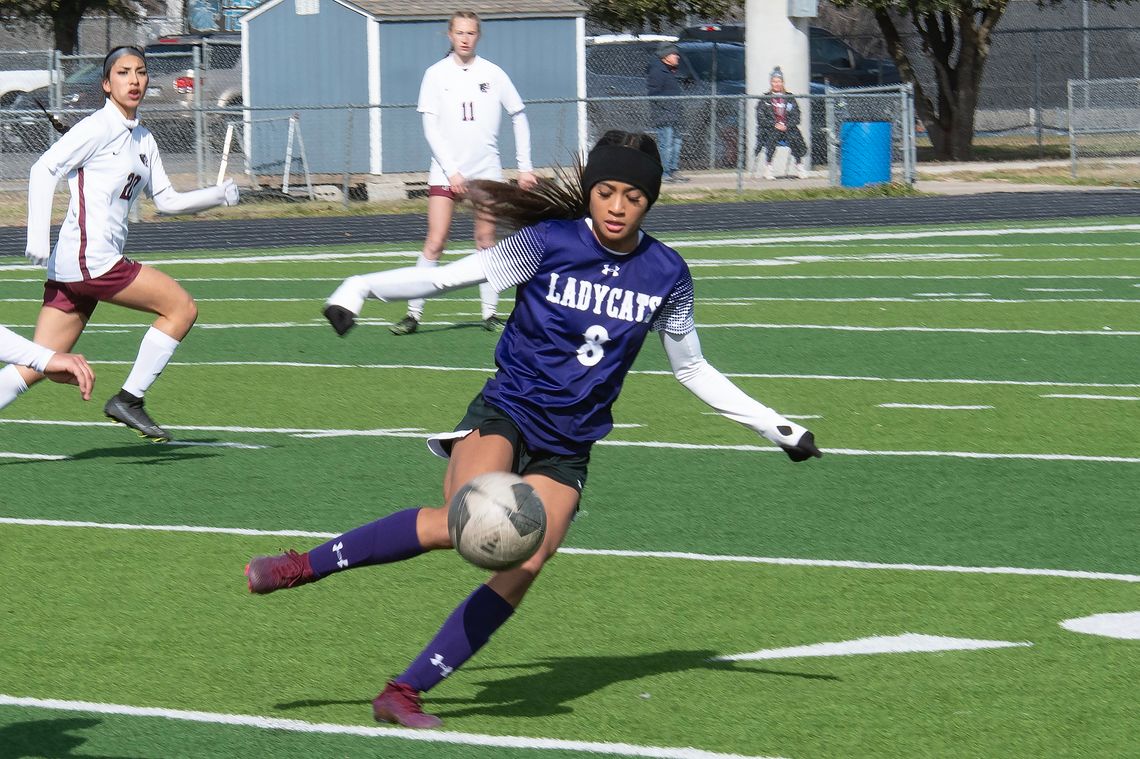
(109,161)
(581,315)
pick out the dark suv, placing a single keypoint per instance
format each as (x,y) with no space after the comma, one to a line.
(618,66)
(833,61)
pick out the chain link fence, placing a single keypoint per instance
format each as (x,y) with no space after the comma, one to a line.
(1104,128)
(1023,98)
(325,153)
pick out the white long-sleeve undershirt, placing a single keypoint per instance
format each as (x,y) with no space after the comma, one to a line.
(703,380)
(408,283)
(171,201)
(521,126)
(438,145)
(15,349)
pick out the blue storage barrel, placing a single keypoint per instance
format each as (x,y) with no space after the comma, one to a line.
(864,153)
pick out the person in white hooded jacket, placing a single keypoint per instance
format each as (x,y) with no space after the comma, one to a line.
(109,159)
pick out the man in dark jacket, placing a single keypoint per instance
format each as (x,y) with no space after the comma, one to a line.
(778,121)
(666,115)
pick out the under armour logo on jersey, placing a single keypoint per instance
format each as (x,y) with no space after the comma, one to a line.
(610,270)
(142,157)
(484,86)
(437,660)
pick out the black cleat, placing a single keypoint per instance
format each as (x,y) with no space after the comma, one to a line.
(127,409)
(493,323)
(405,326)
(341,319)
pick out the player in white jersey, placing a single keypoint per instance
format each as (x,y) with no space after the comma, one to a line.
(109,159)
(68,368)
(462,98)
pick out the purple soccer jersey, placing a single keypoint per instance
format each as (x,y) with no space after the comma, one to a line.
(581,315)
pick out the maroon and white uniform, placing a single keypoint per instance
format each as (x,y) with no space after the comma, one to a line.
(109,160)
(462,108)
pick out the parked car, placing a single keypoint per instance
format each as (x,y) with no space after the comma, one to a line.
(15,82)
(170,97)
(833,61)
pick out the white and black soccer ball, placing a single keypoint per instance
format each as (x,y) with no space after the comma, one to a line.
(496,521)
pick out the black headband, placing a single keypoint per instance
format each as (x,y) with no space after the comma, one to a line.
(118,53)
(623,164)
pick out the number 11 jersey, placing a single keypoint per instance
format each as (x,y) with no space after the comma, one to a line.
(468,103)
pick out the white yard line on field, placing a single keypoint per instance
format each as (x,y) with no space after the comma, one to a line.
(917,277)
(424,736)
(657,444)
(1094,397)
(1072,574)
(906,235)
(652,372)
(733,325)
(741,300)
(934,406)
(853,237)
(32,456)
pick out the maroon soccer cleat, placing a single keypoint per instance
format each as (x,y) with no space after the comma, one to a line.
(400,703)
(269,573)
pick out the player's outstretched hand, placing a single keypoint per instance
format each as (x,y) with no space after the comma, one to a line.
(71,369)
(804,448)
(527,180)
(37,257)
(230,193)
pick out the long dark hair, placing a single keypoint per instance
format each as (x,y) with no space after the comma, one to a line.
(559,198)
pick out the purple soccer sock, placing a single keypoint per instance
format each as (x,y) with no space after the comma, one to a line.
(465,631)
(391,538)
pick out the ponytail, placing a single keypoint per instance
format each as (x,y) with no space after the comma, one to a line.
(59,125)
(513,208)
(567,195)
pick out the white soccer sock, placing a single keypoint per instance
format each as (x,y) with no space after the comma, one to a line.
(11,385)
(490,297)
(416,305)
(154,353)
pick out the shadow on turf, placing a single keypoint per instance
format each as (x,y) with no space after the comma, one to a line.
(562,679)
(48,738)
(147,454)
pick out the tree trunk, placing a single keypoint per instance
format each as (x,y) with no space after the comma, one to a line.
(65,28)
(957,43)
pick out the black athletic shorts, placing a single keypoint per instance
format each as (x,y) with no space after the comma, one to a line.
(489,420)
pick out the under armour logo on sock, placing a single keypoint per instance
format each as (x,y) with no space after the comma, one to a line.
(437,660)
(341,562)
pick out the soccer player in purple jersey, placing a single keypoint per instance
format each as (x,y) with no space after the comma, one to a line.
(591,285)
